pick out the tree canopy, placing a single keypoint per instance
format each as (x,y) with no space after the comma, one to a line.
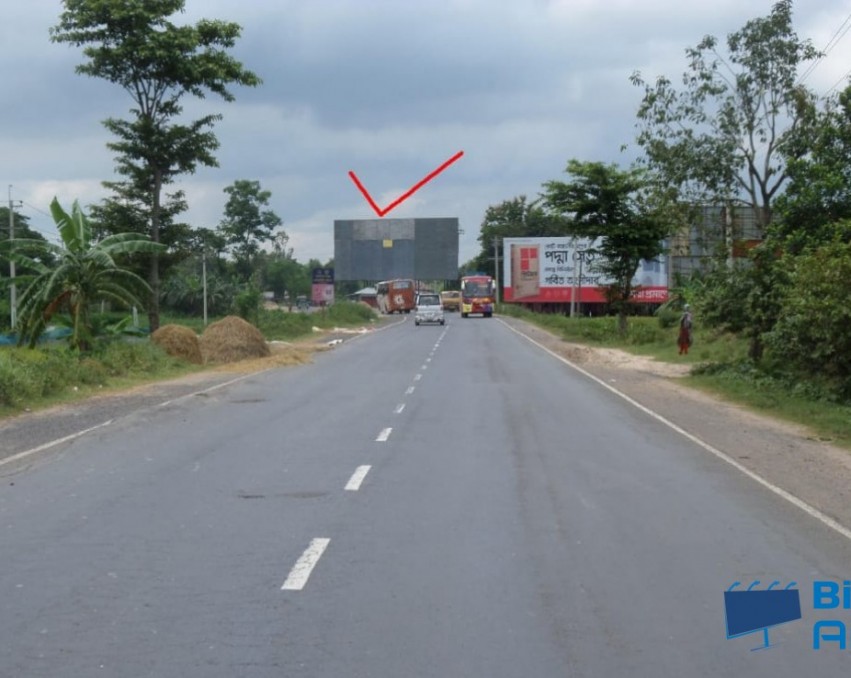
(726,136)
(514,218)
(247,225)
(133,44)
(601,201)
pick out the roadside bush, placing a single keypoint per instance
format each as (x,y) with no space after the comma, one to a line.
(16,383)
(26,374)
(133,357)
(248,304)
(812,335)
(91,372)
(668,317)
(348,313)
(283,325)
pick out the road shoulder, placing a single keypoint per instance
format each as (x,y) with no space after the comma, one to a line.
(785,455)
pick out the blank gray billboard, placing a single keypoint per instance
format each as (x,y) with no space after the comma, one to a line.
(384,249)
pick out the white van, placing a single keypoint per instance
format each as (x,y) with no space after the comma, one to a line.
(428,309)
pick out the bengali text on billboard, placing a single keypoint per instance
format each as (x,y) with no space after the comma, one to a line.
(552,270)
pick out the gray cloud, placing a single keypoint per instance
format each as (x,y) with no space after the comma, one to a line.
(389,89)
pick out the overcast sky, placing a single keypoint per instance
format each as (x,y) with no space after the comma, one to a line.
(388,88)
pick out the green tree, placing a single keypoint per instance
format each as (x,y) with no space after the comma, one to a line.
(22,232)
(811,335)
(85,272)
(815,208)
(133,44)
(616,206)
(514,218)
(282,274)
(747,300)
(247,225)
(726,136)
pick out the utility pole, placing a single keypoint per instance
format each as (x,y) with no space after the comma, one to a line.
(496,266)
(14,297)
(204,280)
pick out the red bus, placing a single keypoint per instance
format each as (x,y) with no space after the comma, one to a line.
(395,296)
(478,295)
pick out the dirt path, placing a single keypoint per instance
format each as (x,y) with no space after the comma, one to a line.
(788,456)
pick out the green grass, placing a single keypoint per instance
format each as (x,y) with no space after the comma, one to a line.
(51,373)
(721,367)
(286,326)
(36,378)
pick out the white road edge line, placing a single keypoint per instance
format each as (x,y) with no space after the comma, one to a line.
(52,443)
(399,408)
(166,403)
(300,573)
(779,491)
(384,435)
(357,478)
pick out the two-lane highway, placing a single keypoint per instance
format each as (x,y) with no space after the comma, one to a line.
(431,501)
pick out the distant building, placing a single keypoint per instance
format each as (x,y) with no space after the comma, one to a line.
(367,295)
(714,234)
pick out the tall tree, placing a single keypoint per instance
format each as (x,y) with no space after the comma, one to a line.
(247,225)
(22,232)
(726,136)
(85,272)
(815,208)
(616,206)
(133,43)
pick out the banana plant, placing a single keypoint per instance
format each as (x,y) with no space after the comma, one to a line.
(83,271)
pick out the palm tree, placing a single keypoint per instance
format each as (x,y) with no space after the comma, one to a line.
(83,272)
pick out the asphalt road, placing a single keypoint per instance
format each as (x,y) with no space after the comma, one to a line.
(433,501)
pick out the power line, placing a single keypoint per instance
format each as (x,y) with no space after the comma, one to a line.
(834,40)
(838,82)
(50,236)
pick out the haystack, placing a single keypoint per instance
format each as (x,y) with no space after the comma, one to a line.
(179,341)
(231,339)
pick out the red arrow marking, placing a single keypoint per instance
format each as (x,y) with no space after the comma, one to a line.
(407,194)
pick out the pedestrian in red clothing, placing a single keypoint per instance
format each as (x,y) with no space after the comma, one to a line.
(684,338)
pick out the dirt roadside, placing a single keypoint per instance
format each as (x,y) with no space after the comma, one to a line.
(787,456)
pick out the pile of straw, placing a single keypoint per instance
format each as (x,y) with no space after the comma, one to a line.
(232,339)
(179,341)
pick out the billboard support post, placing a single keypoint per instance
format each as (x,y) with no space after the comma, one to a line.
(496,265)
(573,291)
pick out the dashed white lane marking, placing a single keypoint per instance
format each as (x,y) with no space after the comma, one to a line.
(357,478)
(384,435)
(428,360)
(399,408)
(779,491)
(418,377)
(424,367)
(52,443)
(410,390)
(300,573)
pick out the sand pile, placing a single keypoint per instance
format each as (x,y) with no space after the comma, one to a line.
(231,339)
(179,341)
